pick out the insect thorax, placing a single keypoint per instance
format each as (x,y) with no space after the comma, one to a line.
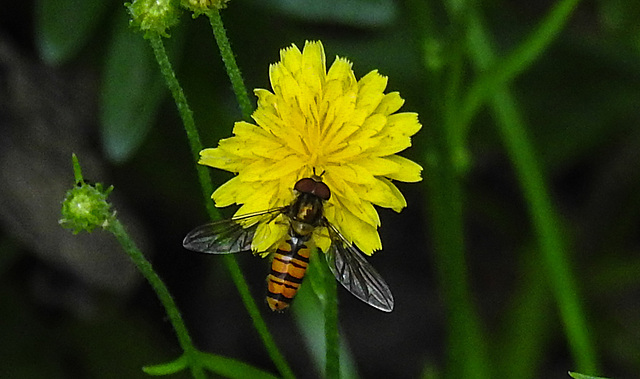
(305,214)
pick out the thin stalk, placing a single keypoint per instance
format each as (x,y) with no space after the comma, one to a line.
(548,230)
(187,120)
(506,70)
(545,222)
(528,323)
(468,355)
(332,336)
(230,63)
(207,188)
(444,163)
(144,266)
(258,322)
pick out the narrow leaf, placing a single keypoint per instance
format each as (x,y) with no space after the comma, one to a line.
(362,13)
(63,27)
(575,375)
(167,368)
(231,368)
(132,90)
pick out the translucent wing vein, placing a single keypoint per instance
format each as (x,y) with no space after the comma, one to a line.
(226,236)
(356,274)
(222,237)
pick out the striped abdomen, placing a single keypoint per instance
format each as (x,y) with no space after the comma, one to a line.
(288,267)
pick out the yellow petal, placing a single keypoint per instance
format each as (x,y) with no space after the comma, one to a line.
(345,198)
(289,89)
(389,144)
(225,195)
(254,141)
(384,196)
(399,201)
(246,192)
(218,158)
(341,71)
(408,170)
(272,170)
(266,99)
(404,123)
(290,58)
(370,93)
(268,236)
(313,69)
(364,235)
(390,103)
(377,166)
(321,239)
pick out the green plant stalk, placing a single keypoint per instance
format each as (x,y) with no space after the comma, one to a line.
(230,63)
(187,120)
(332,336)
(545,222)
(496,74)
(547,228)
(258,322)
(309,310)
(467,355)
(528,323)
(162,292)
(207,188)
(467,352)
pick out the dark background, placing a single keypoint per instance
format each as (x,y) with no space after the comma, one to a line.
(74,306)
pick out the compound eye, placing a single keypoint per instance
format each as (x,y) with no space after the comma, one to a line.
(310,186)
(322,191)
(305,185)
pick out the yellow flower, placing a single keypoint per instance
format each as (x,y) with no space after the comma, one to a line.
(319,121)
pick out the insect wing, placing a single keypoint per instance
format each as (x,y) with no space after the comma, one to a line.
(225,236)
(356,274)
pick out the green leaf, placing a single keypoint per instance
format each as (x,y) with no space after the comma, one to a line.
(575,375)
(132,90)
(316,276)
(231,368)
(360,13)
(167,368)
(308,312)
(63,27)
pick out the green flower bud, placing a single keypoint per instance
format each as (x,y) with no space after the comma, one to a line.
(199,7)
(153,16)
(85,207)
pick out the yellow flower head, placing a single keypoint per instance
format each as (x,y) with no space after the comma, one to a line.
(319,121)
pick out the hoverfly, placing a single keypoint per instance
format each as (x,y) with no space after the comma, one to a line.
(291,259)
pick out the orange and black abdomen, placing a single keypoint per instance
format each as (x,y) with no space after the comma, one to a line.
(288,267)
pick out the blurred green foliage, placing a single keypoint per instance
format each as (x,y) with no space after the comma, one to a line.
(579,101)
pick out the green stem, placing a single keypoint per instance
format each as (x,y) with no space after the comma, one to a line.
(545,221)
(258,322)
(548,229)
(528,323)
(496,74)
(467,352)
(467,356)
(207,188)
(187,119)
(230,63)
(144,266)
(332,336)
